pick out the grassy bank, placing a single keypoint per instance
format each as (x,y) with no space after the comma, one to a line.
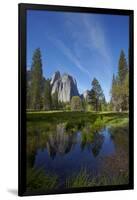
(86,179)
(76,119)
(63,116)
(38,180)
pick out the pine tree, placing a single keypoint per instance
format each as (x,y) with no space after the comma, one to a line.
(96,96)
(123,81)
(47,102)
(93,99)
(126,92)
(113,93)
(55,102)
(122,67)
(36,82)
(28,84)
(120,85)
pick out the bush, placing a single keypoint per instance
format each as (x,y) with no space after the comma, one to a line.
(67,107)
(76,104)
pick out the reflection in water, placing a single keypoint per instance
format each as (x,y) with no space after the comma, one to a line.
(65,151)
(97,144)
(119,162)
(60,142)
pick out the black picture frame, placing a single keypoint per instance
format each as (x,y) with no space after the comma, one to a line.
(22,95)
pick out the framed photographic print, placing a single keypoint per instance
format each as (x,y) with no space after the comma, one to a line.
(75,99)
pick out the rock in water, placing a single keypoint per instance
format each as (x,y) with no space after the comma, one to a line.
(65,86)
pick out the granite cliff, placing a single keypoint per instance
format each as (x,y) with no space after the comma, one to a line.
(65,86)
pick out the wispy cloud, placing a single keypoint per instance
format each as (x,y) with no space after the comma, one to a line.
(89,34)
(97,38)
(69,54)
(90,38)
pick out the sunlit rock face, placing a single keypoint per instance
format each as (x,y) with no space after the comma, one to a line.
(56,76)
(65,86)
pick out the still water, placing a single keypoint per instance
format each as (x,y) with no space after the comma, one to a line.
(64,152)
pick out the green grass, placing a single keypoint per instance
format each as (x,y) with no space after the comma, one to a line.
(38,180)
(46,122)
(115,122)
(87,179)
(79,117)
(82,179)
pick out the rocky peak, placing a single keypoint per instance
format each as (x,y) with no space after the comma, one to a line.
(56,76)
(65,85)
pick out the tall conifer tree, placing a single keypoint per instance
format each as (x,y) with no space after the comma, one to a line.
(55,102)
(119,90)
(96,96)
(36,82)
(122,67)
(47,103)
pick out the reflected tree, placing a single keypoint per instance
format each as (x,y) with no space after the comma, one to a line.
(97,144)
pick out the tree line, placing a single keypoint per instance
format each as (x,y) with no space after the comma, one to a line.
(39,95)
(120,86)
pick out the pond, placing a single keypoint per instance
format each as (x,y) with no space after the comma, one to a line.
(65,151)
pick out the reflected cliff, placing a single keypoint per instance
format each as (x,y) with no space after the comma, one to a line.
(61,142)
(65,148)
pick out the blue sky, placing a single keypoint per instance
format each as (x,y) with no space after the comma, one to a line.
(81,44)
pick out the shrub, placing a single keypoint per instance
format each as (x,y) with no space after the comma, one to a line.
(76,104)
